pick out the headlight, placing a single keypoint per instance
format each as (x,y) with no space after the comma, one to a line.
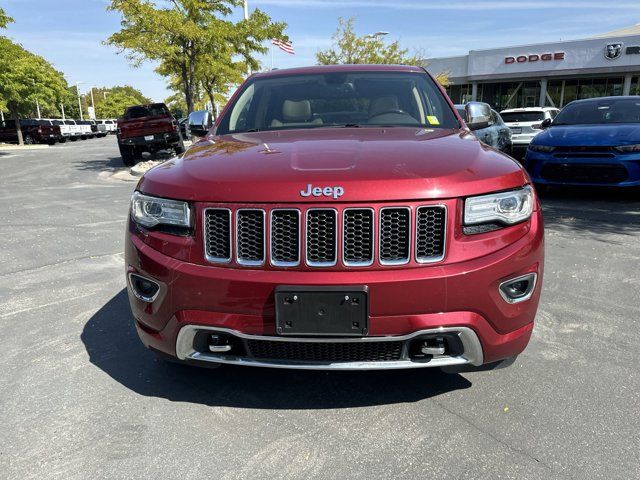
(506,207)
(152,211)
(541,148)
(628,148)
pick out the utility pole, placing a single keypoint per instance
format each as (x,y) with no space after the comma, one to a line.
(62,108)
(79,101)
(37,103)
(92,104)
(246,17)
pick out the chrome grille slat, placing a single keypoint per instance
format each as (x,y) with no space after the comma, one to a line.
(285,237)
(430,233)
(217,228)
(395,235)
(321,237)
(357,237)
(250,239)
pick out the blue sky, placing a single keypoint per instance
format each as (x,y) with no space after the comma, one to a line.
(69,32)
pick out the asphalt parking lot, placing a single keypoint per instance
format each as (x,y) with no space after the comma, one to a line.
(81,398)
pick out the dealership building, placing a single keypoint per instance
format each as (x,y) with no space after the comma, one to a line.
(546,74)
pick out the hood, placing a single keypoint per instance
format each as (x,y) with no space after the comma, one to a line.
(382,164)
(589,135)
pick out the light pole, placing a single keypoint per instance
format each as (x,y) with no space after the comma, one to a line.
(93,106)
(380,33)
(245,6)
(79,101)
(37,103)
(62,108)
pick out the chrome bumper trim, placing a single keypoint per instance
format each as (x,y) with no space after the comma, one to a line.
(472,350)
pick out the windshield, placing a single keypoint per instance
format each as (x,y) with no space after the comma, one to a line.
(522,116)
(599,112)
(338,99)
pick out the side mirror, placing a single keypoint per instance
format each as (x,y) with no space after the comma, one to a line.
(546,123)
(199,123)
(478,115)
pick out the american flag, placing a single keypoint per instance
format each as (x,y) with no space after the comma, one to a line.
(282,45)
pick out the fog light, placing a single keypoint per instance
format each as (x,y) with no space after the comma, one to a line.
(143,288)
(518,289)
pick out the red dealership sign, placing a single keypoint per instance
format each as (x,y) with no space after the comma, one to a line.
(544,57)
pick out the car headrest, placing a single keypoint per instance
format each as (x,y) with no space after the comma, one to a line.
(293,111)
(382,104)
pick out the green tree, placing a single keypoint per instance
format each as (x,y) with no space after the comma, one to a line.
(116,102)
(4,19)
(349,48)
(183,34)
(26,78)
(101,94)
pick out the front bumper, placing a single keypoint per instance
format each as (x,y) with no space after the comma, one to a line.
(595,170)
(461,298)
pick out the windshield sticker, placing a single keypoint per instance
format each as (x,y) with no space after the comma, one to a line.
(433,120)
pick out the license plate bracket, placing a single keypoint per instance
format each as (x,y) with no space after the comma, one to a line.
(322,311)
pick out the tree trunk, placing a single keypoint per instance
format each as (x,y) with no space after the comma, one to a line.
(16,118)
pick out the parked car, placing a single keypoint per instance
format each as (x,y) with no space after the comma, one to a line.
(76,130)
(147,128)
(594,142)
(184,127)
(65,131)
(526,123)
(106,126)
(336,217)
(87,129)
(495,134)
(33,131)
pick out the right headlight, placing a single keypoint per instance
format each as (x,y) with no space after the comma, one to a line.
(506,207)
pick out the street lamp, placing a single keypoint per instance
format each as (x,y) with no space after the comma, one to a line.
(37,103)
(380,33)
(245,6)
(93,106)
(79,101)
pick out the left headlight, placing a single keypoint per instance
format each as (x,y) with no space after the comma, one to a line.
(506,207)
(151,211)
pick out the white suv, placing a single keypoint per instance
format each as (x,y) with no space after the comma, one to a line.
(526,123)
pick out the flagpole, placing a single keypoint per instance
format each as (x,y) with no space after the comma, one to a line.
(271,48)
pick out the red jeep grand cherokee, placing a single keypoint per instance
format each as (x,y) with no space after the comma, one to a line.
(339,217)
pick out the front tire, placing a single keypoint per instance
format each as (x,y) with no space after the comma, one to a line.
(28,140)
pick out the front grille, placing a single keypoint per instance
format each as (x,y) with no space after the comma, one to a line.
(584,152)
(321,237)
(395,224)
(285,238)
(584,173)
(397,235)
(358,236)
(217,228)
(430,233)
(325,351)
(250,241)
